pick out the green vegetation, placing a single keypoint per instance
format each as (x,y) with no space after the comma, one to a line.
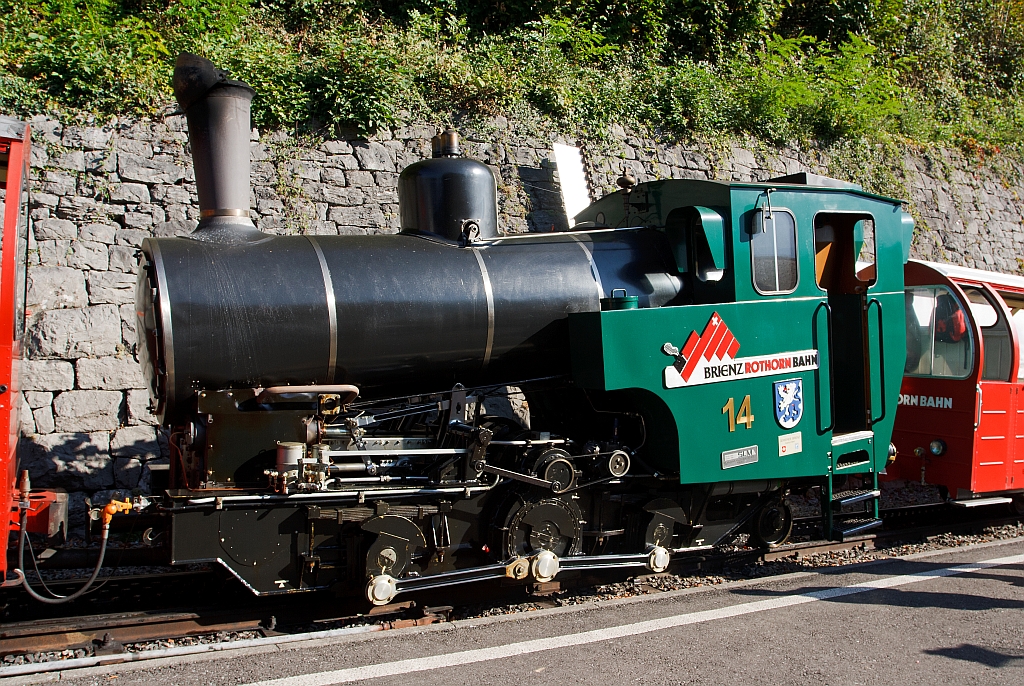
(929,71)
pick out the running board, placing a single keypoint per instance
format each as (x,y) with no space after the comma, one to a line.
(853,527)
(981,502)
(850,497)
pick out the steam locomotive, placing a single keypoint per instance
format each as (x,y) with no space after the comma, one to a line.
(396,413)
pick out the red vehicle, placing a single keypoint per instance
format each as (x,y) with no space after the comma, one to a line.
(960,421)
(43,512)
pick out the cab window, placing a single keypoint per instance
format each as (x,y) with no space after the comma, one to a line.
(938,336)
(995,335)
(773,252)
(1015,302)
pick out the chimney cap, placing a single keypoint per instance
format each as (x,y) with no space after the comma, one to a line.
(195,76)
(448,143)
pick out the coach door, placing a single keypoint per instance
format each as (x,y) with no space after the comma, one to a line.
(996,411)
(1015,304)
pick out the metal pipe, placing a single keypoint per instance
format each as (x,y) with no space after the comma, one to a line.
(348,390)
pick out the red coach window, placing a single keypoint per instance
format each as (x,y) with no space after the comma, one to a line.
(938,337)
(1015,301)
(995,336)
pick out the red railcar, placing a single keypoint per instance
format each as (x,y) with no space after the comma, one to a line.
(45,511)
(960,421)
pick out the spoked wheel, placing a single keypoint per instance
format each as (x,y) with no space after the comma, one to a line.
(772,525)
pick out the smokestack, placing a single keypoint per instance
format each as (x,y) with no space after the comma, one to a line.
(217,110)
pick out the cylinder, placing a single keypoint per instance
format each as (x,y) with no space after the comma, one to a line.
(289,456)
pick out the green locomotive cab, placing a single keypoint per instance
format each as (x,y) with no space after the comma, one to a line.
(781,359)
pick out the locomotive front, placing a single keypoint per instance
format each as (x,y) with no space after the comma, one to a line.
(391,413)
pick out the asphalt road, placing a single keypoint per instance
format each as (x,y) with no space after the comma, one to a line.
(926,620)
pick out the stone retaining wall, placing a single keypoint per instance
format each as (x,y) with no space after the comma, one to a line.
(98,191)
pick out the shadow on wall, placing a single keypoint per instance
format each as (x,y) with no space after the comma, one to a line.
(92,466)
(546,212)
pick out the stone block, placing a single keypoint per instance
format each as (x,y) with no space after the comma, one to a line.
(73,461)
(98,233)
(129,192)
(174,228)
(373,157)
(138,407)
(108,373)
(135,441)
(45,199)
(138,220)
(83,208)
(122,259)
(102,161)
(359,179)
(55,230)
(135,168)
(87,410)
(364,215)
(73,160)
(336,147)
(51,288)
(132,237)
(88,137)
(26,419)
(170,194)
(37,399)
(134,147)
(270,206)
(176,212)
(127,471)
(128,319)
(47,375)
(74,333)
(111,287)
(59,183)
(88,255)
(343,196)
(48,130)
(302,170)
(43,417)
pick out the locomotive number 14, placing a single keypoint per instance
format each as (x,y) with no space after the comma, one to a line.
(744,416)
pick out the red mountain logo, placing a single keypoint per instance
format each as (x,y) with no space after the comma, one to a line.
(711,357)
(715,341)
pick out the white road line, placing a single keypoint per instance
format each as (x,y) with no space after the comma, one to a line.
(421,664)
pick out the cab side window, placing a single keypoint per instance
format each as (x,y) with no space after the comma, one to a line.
(995,336)
(773,252)
(1015,301)
(938,336)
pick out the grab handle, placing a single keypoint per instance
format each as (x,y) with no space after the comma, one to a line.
(881,359)
(977,414)
(831,387)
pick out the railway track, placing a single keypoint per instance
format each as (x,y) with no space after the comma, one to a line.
(115,637)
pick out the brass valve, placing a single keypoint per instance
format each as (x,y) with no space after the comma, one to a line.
(112,508)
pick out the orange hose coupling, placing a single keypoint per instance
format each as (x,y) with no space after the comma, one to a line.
(112,508)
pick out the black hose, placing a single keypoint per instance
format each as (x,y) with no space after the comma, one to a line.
(57,599)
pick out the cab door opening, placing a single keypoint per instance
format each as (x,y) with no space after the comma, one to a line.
(842,243)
